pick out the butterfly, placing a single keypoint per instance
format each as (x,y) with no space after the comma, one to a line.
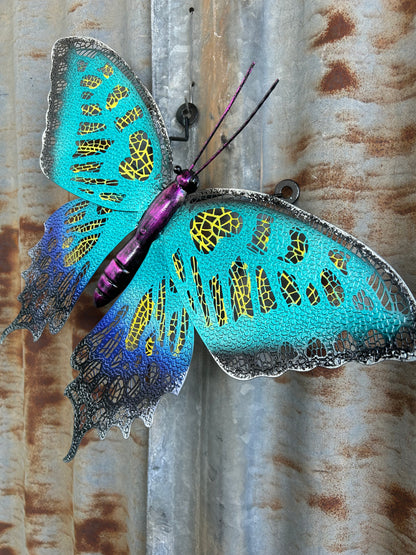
(268,286)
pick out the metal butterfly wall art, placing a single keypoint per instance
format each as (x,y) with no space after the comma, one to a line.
(268,287)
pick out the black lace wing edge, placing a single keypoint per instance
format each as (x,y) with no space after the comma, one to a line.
(19,322)
(85,411)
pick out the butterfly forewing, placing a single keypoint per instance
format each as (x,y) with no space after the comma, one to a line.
(272,288)
(105,139)
(140,350)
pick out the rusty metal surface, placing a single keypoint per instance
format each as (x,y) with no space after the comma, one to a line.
(313,463)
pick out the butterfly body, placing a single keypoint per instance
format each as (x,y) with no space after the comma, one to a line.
(125,264)
(268,287)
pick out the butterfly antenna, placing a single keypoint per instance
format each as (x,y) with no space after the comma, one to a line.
(223,116)
(263,100)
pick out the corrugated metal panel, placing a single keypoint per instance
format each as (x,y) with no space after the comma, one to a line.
(309,463)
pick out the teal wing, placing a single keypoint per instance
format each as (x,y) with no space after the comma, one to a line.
(271,288)
(105,140)
(139,351)
(77,238)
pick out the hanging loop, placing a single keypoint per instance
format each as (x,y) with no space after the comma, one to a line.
(186,115)
(287,190)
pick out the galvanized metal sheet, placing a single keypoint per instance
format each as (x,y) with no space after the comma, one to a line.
(321,462)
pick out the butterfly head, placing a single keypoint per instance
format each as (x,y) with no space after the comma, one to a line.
(186,179)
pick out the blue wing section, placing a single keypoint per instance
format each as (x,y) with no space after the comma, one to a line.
(270,287)
(105,140)
(77,238)
(139,351)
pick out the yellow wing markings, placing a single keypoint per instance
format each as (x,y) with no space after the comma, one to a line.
(140,164)
(207,228)
(240,288)
(81,249)
(118,93)
(91,81)
(92,147)
(139,322)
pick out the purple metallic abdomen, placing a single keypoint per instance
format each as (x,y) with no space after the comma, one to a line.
(120,271)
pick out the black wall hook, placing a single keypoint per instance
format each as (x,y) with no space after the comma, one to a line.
(186,116)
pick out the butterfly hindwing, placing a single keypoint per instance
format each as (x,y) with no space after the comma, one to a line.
(271,288)
(105,140)
(77,238)
(140,350)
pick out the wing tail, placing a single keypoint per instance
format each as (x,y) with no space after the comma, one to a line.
(139,351)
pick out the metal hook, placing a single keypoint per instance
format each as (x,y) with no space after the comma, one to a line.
(287,184)
(186,116)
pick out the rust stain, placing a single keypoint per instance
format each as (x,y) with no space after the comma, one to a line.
(4,393)
(333,176)
(403,77)
(105,530)
(399,201)
(38,54)
(32,230)
(283,379)
(29,153)
(399,143)
(365,450)
(333,505)
(41,389)
(400,508)
(75,6)
(9,248)
(408,135)
(7,551)
(327,373)
(337,548)
(397,23)
(339,78)
(406,7)
(339,26)
(279,460)
(16,489)
(345,217)
(332,394)
(274,505)
(5,526)
(399,402)
(38,502)
(90,24)
(297,149)
(333,183)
